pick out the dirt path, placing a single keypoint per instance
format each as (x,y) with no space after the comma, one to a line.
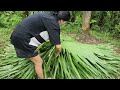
(88,39)
(116,49)
(91,40)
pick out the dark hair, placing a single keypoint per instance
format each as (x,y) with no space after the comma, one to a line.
(54,12)
(64,15)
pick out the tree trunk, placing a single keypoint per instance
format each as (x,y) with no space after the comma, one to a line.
(86,22)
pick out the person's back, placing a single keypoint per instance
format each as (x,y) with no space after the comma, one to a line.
(35,24)
(35,28)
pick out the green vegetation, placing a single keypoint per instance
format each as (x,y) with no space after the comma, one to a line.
(85,61)
(106,36)
(97,62)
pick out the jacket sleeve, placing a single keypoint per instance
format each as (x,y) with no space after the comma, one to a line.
(53,29)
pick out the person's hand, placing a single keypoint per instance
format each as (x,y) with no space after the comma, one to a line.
(38,51)
(58,50)
(56,55)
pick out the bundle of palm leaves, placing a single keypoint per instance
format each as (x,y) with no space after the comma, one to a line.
(76,61)
(80,61)
(12,67)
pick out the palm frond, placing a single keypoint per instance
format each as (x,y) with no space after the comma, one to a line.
(76,61)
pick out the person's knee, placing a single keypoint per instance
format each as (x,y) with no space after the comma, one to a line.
(37,60)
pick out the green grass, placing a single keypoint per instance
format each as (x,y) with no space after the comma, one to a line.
(4,38)
(106,36)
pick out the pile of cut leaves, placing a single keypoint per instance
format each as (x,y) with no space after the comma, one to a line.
(76,61)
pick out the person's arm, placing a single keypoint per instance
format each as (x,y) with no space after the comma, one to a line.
(53,29)
(58,49)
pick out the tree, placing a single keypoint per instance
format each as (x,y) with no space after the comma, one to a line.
(86,18)
(86,21)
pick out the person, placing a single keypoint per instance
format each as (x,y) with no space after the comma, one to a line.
(33,31)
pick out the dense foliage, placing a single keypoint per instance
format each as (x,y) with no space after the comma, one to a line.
(107,21)
(102,21)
